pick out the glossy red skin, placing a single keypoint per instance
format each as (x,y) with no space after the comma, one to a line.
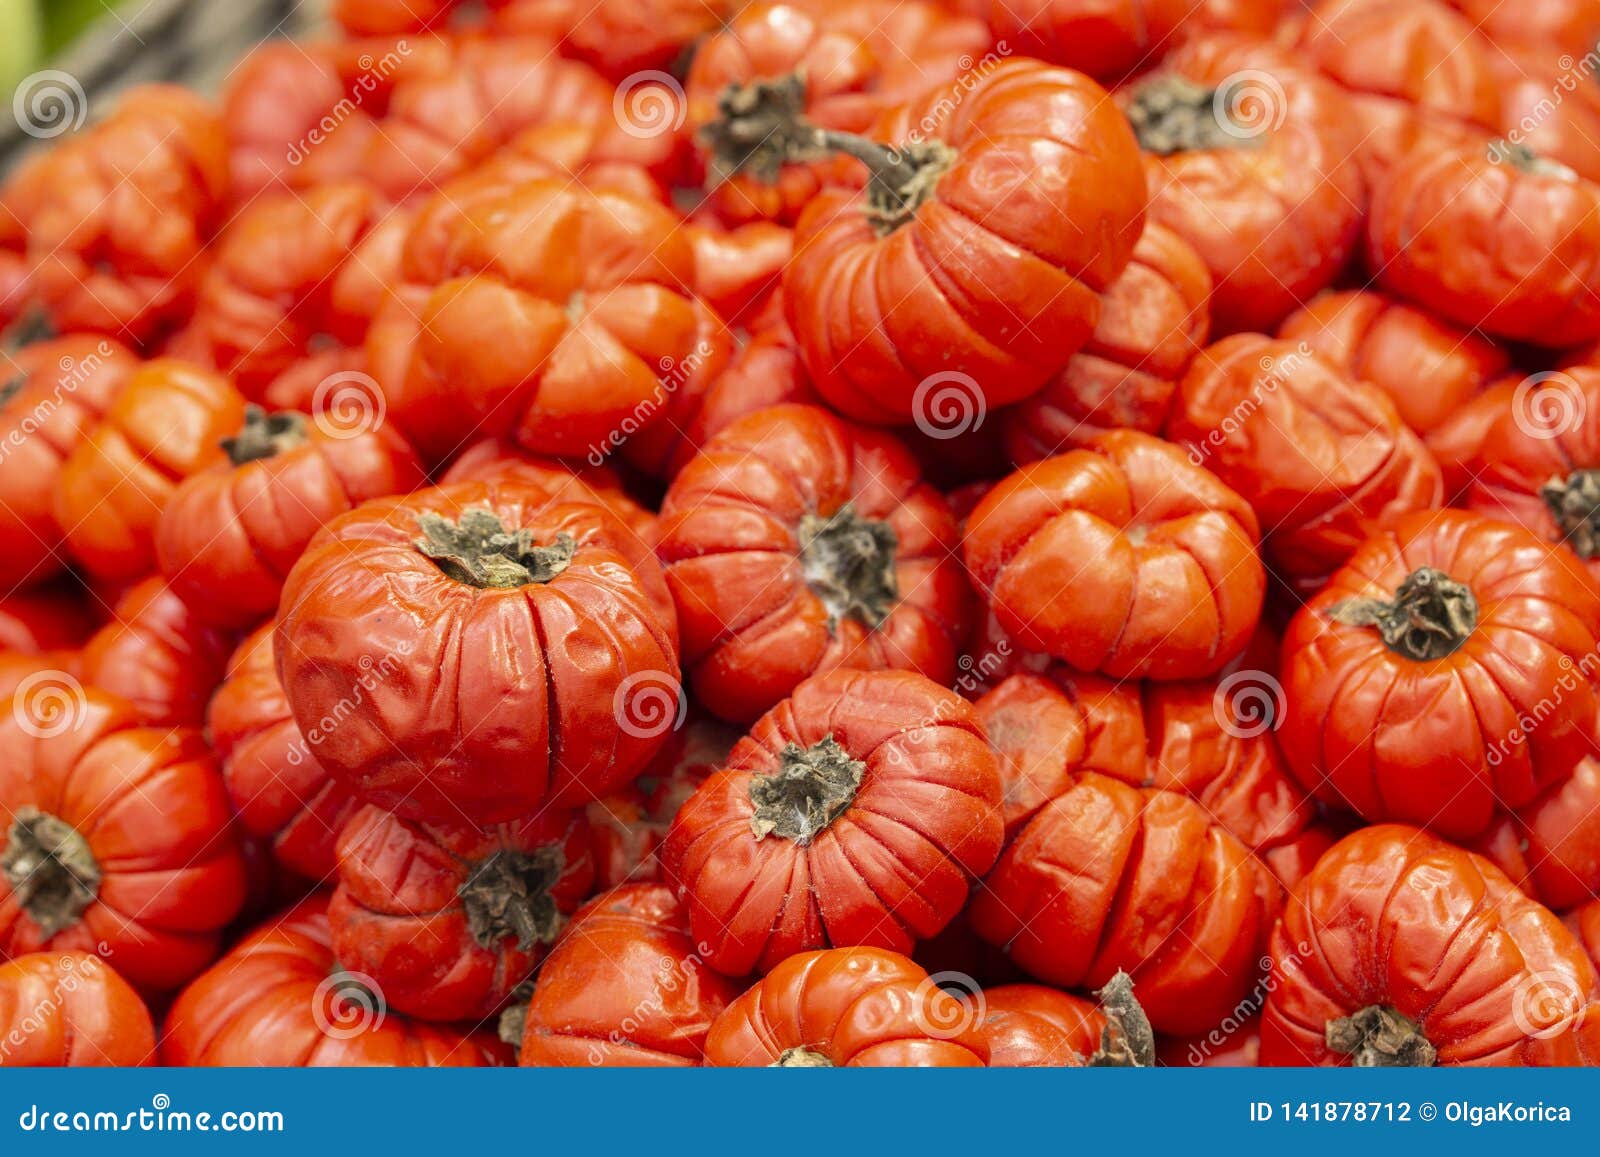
(165,424)
(1031,1025)
(1106,40)
(158,655)
(280,792)
(16,668)
(862,1007)
(1153,319)
(994,277)
(1050,728)
(68,385)
(495,351)
(1235,772)
(1551,847)
(765,371)
(272,102)
(1124,558)
(1542,435)
(618,37)
(1322,458)
(1416,74)
(269,1002)
(1528,271)
(1545,104)
(117,215)
(1428,367)
(1438,742)
(628,828)
(858,60)
(1456,442)
(229,535)
(480,695)
(1276,218)
(43,619)
(151,806)
(264,297)
(71,1009)
(1393,916)
(753,626)
(1568,25)
(1107,876)
(384,17)
(737,270)
(397,915)
(625,986)
(443,120)
(892,868)
(1585,925)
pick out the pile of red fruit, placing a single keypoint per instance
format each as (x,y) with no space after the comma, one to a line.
(899,532)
